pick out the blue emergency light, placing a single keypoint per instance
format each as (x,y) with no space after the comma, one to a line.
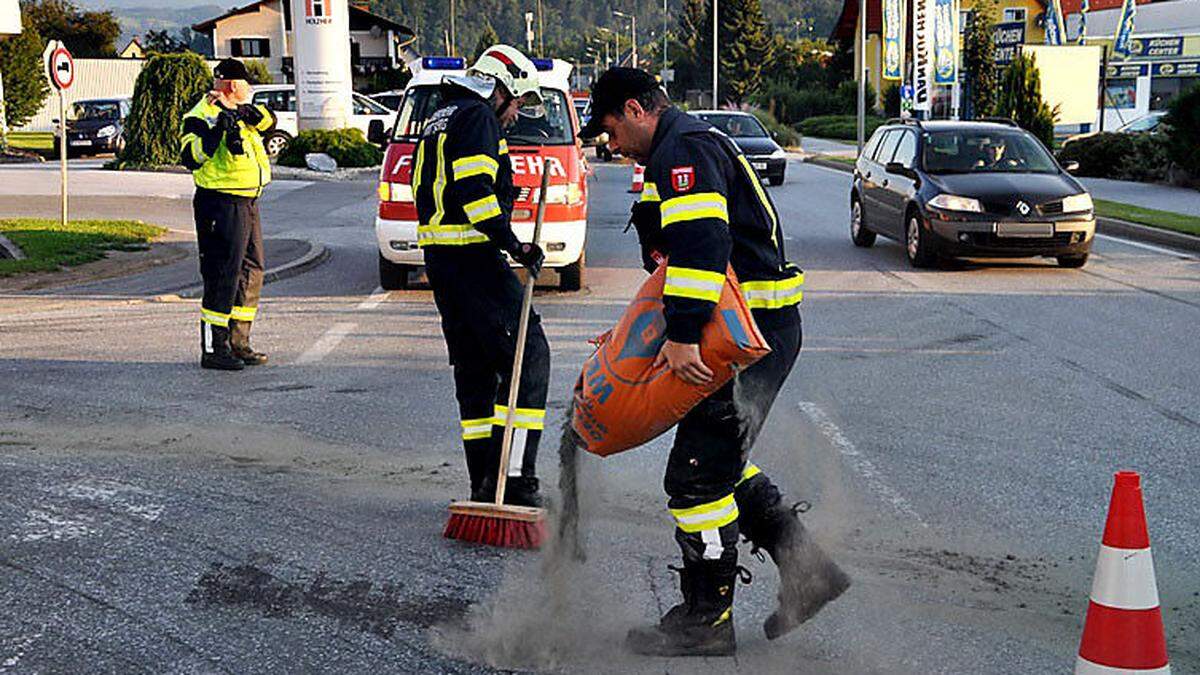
(443,63)
(543,64)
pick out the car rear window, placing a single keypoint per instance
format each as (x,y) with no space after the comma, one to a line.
(552,127)
(985,151)
(736,126)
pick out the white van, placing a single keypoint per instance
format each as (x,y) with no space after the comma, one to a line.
(281,100)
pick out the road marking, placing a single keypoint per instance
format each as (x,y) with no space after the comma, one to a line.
(903,350)
(376,299)
(836,172)
(326,343)
(860,463)
(1149,247)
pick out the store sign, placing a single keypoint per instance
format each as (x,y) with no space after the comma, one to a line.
(1008,38)
(321,43)
(1179,69)
(1156,47)
(1122,71)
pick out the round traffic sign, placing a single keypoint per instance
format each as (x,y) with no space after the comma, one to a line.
(62,68)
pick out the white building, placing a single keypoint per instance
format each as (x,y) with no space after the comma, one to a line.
(263,30)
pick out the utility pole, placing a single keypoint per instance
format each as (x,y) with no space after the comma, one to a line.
(632,33)
(664,38)
(715,22)
(861,57)
(541,31)
(453,42)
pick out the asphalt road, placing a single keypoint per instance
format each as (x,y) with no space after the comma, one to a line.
(956,431)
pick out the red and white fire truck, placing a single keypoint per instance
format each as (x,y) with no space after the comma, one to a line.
(546,143)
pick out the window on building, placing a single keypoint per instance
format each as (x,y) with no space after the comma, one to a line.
(1163,89)
(252,47)
(1014,14)
(1121,94)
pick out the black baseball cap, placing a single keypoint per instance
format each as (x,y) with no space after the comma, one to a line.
(611,90)
(231,69)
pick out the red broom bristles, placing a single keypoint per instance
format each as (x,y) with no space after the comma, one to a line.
(494,531)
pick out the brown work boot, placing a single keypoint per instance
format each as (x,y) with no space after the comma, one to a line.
(239,336)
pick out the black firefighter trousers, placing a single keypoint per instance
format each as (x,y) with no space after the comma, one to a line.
(229,234)
(708,462)
(479,299)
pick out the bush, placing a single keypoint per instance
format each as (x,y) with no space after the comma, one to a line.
(1183,130)
(891,100)
(783,134)
(168,86)
(257,72)
(1137,157)
(791,105)
(841,127)
(349,147)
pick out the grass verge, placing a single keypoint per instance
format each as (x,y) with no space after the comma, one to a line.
(48,246)
(1164,220)
(848,161)
(40,142)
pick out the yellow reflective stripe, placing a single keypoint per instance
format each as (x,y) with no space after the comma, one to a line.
(695,207)
(762,197)
(650,192)
(416,175)
(240,313)
(502,149)
(448,235)
(215,318)
(193,142)
(482,209)
(439,183)
(475,165)
(523,418)
(749,472)
(265,122)
(684,282)
(710,516)
(774,294)
(477,428)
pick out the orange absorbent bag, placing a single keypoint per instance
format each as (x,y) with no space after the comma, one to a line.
(623,401)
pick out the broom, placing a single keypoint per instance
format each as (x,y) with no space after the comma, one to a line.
(497,523)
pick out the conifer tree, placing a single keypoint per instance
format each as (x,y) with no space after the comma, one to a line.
(1020,99)
(168,86)
(25,85)
(979,57)
(744,49)
(487,38)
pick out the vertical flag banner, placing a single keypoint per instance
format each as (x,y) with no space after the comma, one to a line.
(945,42)
(1122,42)
(1056,29)
(921,61)
(1084,7)
(893,38)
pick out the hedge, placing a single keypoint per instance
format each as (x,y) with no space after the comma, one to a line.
(841,127)
(1137,157)
(348,147)
(1183,130)
(784,135)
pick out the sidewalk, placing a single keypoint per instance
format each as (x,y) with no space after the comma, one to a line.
(824,146)
(1145,195)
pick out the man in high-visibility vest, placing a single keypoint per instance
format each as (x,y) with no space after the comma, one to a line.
(462,185)
(704,209)
(222,146)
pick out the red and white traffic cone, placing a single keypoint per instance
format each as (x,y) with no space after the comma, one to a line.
(1123,632)
(639,178)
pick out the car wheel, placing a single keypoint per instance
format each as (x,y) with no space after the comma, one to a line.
(393,277)
(776,180)
(920,249)
(570,278)
(1073,261)
(275,142)
(859,234)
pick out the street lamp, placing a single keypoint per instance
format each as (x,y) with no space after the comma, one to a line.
(607,56)
(633,32)
(716,21)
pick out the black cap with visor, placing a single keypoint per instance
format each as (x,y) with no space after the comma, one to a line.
(611,90)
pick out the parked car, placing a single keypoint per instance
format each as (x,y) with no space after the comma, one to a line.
(95,126)
(391,99)
(1146,124)
(968,189)
(768,159)
(281,99)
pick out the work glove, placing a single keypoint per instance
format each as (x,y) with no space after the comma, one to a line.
(530,257)
(249,114)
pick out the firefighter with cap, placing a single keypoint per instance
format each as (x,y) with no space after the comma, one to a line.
(463,188)
(703,208)
(222,146)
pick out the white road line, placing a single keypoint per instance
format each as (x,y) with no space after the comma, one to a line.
(902,350)
(327,343)
(1149,247)
(377,297)
(859,462)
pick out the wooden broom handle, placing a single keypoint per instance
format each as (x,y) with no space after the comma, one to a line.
(514,386)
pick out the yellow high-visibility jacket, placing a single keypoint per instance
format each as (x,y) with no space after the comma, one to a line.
(202,149)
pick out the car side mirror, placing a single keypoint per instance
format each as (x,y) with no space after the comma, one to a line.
(376,133)
(1071,167)
(900,170)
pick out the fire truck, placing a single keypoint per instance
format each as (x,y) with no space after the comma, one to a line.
(547,142)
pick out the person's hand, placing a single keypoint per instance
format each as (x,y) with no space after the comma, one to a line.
(249,114)
(684,360)
(530,257)
(226,120)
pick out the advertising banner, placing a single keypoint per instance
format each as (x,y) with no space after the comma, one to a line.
(322,49)
(1056,29)
(893,38)
(10,17)
(1122,42)
(1008,38)
(1084,8)
(922,61)
(945,42)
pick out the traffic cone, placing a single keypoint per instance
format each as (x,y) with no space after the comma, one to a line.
(639,178)
(1123,632)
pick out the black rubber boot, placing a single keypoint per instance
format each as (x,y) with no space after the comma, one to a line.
(518,491)
(702,625)
(215,352)
(239,338)
(808,578)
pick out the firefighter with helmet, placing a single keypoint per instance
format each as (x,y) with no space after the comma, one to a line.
(463,187)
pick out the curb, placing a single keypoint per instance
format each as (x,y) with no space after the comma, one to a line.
(1108,226)
(317,254)
(10,250)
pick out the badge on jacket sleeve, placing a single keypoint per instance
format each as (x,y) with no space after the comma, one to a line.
(683,178)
